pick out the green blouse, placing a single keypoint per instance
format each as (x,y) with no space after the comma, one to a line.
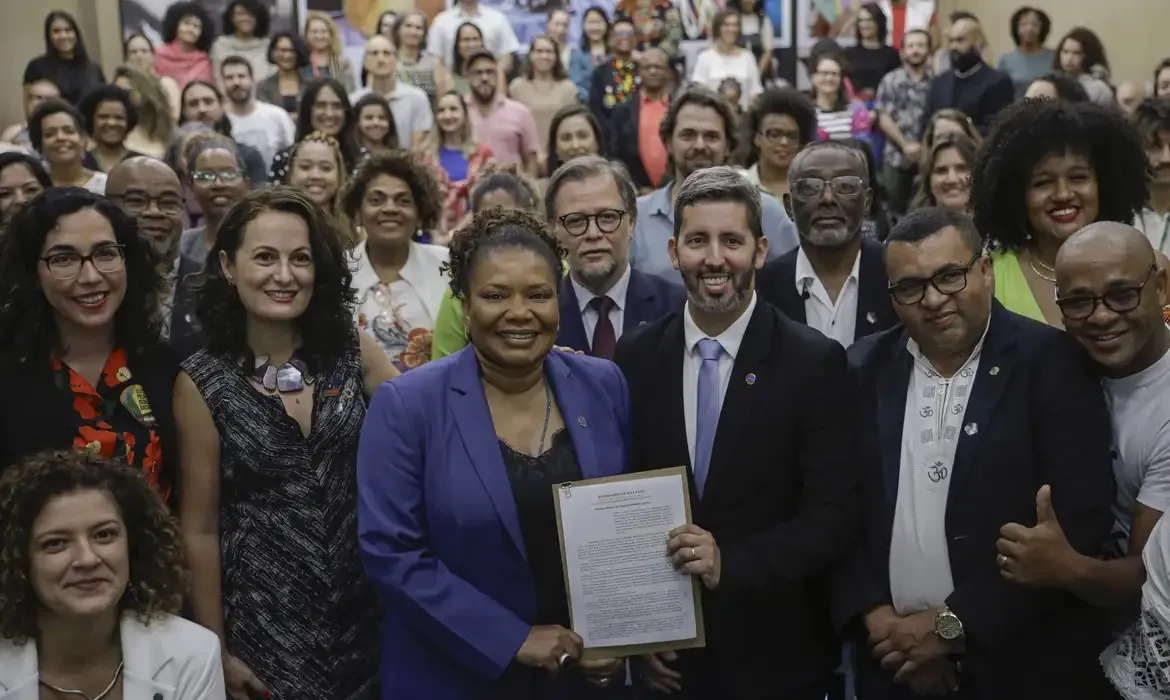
(1011,287)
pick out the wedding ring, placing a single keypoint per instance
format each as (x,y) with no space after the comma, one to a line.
(561,659)
(693,556)
(1002,560)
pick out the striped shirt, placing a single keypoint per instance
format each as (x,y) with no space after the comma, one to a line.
(838,125)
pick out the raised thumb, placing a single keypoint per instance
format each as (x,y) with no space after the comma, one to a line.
(1044,512)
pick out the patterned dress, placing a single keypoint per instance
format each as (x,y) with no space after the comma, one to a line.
(297,607)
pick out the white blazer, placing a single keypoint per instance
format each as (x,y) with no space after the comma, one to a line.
(171,659)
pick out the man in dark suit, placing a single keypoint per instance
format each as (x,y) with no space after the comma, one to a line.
(592,205)
(636,141)
(970,86)
(835,281)
(752,402)
(967,411)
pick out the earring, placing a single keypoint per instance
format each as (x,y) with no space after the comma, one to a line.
(230,281)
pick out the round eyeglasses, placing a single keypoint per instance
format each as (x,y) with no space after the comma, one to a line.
(607,220)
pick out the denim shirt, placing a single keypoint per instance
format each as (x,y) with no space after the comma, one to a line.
(655,227)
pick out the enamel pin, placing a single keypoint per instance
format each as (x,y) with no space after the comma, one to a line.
(971,428)
(750,378)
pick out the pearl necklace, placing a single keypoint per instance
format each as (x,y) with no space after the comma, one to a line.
(99,696)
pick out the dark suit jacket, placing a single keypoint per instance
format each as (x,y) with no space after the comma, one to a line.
(875,311)
(648,298)
(982,95)
(1039,417)
(624,123)
(438,525)
(780,498)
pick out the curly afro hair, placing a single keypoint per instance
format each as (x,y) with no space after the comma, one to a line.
(494,229)
(1031,130)
(158,572)
(782,101)
(176,13)
(326,327)
(406,167)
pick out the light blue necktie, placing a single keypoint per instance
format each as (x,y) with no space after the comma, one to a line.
(706,408)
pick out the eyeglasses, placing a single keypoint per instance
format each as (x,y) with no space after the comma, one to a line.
(1120,300)
(912,291)
(206,177)
(68,265)
(137,204)
(607,220)
(813,187)
(776,135)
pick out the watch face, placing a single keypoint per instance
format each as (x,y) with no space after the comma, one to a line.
(949,627)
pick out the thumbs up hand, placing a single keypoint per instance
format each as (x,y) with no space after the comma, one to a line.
(1036,556)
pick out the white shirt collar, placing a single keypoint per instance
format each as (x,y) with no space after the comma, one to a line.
(923,362)
(617,292)
(729,339)
(805,273)
(364,276)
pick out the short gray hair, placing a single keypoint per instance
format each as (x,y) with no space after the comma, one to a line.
(584,167)
(719,184)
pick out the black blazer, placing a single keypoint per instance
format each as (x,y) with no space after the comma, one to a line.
(780,498)
(776,284)
(648,298)
(1039,418)
(624,137)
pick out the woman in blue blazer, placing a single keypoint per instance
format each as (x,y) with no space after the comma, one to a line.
(455,473)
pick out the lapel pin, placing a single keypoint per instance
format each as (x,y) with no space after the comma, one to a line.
(993,371)
(122,375)
(750,378)
(870,318)
(581,422)
(971,428)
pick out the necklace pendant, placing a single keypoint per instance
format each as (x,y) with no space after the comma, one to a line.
(289,379)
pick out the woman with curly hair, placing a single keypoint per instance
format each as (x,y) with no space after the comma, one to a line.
(269,414)
(1057,86)
(91,587)
(1081,54)
(318,170)
(57,131)
(80,327)
(22,177)
(515,413)
(245,33)
(1048,169)
(396,280)
(187,33)
(500,186)
(108,117)
(778,125)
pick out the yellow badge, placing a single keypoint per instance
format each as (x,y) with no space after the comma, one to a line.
(122,375)
(134,399)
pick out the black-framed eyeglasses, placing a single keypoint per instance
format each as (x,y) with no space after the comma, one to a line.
(135,204)
(952,281)
(607,220)
(67,265)
(813,187)
(1120,300)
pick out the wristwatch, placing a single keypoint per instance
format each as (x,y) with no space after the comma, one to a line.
(947,624)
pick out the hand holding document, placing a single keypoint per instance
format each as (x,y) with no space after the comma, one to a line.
(625,595)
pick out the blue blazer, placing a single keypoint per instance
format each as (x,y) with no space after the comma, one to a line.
(437,524)
(648,298)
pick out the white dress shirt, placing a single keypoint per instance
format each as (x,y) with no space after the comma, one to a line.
(730,340)
(920,565)
(837,320)
(617,314)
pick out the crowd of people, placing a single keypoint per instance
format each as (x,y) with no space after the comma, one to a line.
(298,348)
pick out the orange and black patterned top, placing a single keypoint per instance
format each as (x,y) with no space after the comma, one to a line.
(127,415)
(1166,314)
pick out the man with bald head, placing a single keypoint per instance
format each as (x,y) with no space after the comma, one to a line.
(148,190)
(1110,287)
(970,86)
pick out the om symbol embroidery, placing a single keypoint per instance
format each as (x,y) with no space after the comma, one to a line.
(937,472)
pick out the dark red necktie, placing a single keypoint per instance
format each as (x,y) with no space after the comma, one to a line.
(604,338)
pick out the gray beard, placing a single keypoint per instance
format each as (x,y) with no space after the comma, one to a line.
(833,240)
